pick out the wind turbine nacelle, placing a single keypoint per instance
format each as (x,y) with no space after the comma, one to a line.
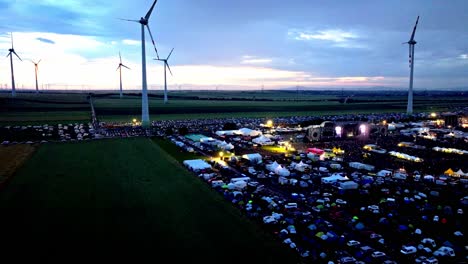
(412,42)
(143,21)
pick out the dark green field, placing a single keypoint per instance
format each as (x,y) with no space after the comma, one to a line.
(62,107)
(129,197)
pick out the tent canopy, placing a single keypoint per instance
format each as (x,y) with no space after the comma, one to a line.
(197,164)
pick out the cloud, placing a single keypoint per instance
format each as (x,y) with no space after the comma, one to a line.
(339,38)
(131,42)
(335,35)
(246,59)
(464,57)
(46,40)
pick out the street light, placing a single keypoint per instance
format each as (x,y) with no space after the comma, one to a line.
(269,123)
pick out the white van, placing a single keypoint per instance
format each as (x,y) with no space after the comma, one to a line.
(246,179)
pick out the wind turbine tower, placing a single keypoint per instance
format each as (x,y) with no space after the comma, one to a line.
(166,65)
(36,68)
(145,121)
(120,68)
(12,51)
(411,43)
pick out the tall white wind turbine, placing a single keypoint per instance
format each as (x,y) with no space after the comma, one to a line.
(411,43)
(145,121)
(120,68)
(36,69)
(12,51)
(165,76)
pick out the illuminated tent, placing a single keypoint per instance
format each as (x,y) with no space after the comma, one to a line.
(449,172)
(197,165)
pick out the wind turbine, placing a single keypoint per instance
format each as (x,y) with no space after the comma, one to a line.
(120,68)
(144,87)
(165,77)
(12,50)
(36,68)
(411,43)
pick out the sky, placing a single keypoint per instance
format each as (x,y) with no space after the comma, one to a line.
(242,44)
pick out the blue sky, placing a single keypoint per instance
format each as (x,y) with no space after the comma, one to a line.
(240,44)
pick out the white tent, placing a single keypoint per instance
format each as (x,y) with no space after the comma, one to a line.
(301,166)
(429,178)
(262,140)
(249,132)
(197,165)
(282,171)
(383,173)
(229,147)
(254,157)
(272,167)
(333,178)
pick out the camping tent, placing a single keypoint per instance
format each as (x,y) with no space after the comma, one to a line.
(333,178)
(384,173)
(197,165)
(262,140)
(282,171)
(272,167)
(449,172)
(249,132)
(255,157)
(300,166)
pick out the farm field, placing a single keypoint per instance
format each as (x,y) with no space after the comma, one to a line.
(69,108)
(128,197)
(51,108)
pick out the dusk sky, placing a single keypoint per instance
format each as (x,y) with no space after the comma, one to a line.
(238,44)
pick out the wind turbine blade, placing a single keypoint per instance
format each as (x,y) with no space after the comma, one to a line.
(126,67)
(152,40)
(118,67)
(150,11)
(120,58)
(169,68)
(17,56)
(132,20)
(11,35)
(9,53)
(414,29)
(39,61)
(170,54)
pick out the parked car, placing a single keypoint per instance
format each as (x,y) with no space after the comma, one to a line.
(407,250)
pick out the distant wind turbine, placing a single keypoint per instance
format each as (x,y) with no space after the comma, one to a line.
(144,87)
(36,68)
(12,51)
(411,43)
(120,68)
(165,76)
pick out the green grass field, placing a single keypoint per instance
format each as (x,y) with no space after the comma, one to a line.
(65,108)
(29,108)
(129,197)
